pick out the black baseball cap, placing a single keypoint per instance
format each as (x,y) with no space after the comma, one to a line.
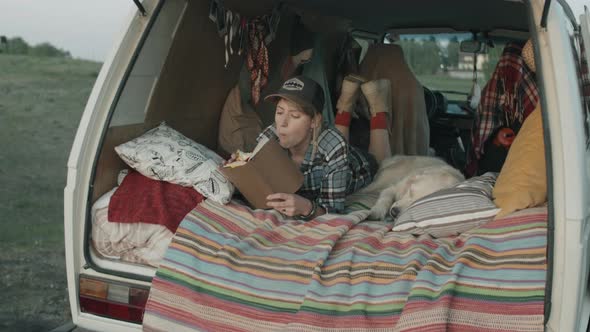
(301,90)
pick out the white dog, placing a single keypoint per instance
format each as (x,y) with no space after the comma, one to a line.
(401,180)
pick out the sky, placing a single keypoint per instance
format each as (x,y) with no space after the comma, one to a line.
(578,6)
(85,28)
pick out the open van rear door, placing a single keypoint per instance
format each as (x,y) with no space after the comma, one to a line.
(585,59)
(584,72)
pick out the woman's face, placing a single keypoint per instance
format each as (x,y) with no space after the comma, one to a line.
(294,126)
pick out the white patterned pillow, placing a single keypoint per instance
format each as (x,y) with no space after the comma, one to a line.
(451,211)
(165,154)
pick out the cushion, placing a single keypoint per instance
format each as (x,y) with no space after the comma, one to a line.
(141,199)
(451,211)
(165,154)
(522,182)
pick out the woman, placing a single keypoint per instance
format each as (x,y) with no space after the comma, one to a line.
(332,168)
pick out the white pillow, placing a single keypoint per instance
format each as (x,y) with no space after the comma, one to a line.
(451,211)
(165,154)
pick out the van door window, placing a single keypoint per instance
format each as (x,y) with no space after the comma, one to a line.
(135,98)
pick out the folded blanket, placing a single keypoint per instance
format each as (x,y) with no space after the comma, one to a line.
(141,199)
(229,268)
(138,242)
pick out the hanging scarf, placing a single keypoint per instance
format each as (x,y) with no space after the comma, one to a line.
(257,57)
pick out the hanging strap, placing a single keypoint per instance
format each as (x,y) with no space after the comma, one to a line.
(140,7)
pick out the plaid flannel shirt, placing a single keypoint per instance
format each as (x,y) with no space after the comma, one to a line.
(507,99)
(337,169)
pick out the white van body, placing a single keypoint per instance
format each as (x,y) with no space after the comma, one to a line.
(566,144)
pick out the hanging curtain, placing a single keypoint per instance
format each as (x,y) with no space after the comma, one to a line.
(315,69)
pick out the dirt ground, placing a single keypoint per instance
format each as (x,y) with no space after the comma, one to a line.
(35,289)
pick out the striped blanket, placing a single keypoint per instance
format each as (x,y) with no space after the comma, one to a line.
(229,268)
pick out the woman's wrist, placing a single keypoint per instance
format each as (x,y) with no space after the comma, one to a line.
(312,207)
(311,213)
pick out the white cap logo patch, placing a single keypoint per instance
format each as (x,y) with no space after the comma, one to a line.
(293,84)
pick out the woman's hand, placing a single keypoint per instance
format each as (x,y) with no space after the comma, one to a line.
(289,204)
(231,159)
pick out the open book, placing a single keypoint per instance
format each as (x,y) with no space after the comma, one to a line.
(266,170)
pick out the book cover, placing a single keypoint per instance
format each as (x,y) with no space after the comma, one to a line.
(267,170)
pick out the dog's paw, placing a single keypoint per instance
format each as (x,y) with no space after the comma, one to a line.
(378,212)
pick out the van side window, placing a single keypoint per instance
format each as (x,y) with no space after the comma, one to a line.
(135,99)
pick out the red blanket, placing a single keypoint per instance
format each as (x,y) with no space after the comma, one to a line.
(141,199)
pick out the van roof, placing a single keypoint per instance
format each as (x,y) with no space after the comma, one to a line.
(461,15)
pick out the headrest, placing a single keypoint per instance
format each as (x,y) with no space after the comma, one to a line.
(383,60)
(391,52)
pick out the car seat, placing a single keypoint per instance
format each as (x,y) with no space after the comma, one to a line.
(410,131)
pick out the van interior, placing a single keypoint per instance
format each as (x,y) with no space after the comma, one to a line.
(185,82)
(440,56)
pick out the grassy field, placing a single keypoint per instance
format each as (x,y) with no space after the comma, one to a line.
(41,102)
(444,82)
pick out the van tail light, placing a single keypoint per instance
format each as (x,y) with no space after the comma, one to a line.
(112,299)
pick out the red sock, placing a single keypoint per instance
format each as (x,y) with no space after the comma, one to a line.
(379,121)
(343,119)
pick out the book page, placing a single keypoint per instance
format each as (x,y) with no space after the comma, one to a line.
(263,140)
(270,171)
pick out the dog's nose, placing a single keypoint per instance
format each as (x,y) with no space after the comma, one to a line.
(394,212)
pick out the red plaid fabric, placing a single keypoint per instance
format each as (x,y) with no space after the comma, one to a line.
(507,99)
